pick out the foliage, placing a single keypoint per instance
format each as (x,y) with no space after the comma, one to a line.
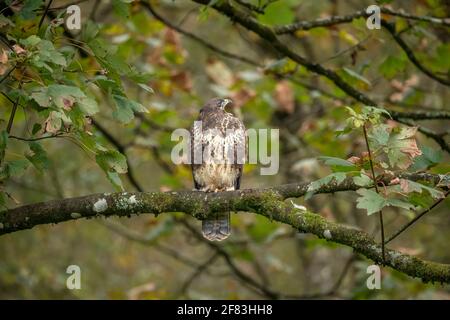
(393,147)
(95,113)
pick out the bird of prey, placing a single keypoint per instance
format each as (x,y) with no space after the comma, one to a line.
(219,139)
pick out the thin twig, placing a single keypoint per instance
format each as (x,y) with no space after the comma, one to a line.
(260,288)
(58,135)
(14,108)
(44,14)
(8,97)
(8,73)
(410,54)
(230,55)
(409,224)
(201,268)
(335,287)
(380,213)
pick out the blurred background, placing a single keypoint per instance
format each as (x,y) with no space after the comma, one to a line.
(147,257)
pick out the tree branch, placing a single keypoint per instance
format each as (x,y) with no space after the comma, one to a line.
(267,202)
(227,54)
(429,115)
(420,215)
(410,54)
(421,115)
(333,20)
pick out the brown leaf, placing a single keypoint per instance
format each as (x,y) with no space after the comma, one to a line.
(182,79)
(354,160)
(68,103)
(284,96)
(172,37)
(403,88)
(136,292)
(411,148)
(18,49)
(242,96)
(53,123)
(219,72)
(3,69)
(404,185)
(4,57)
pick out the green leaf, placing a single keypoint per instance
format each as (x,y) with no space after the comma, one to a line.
(88,106)
(399,203)
(379,135)
(61,90)
(392,65)
(112,160)
(37,156)
(146,87)
(90,31)
(108,85)
(441,61)
(29,8)
(101,48)
(114,178)
(16,168)
(429,158)
(277,13)
(316,185)
(412,186)
(355,78)
(31,41)
(402,147)
(36,128)
(373,202)
(41,97)
(363,180)
(337,164)
(370,201)
(59,95)
(121,8)
(47,52)
(112,163)
(126,108)
(332,161)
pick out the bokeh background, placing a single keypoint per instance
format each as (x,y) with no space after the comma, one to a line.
(144,257)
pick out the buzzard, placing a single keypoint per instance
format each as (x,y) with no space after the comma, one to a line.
(218,138)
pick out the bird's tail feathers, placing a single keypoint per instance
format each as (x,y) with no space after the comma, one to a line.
(217,228)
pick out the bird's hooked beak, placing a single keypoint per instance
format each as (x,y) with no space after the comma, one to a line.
(225,102)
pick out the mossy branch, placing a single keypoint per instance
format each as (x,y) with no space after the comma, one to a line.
(268,202)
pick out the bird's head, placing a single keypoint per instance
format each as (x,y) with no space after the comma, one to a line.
(217,103)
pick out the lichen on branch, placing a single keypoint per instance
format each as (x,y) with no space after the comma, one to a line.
(268,202)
